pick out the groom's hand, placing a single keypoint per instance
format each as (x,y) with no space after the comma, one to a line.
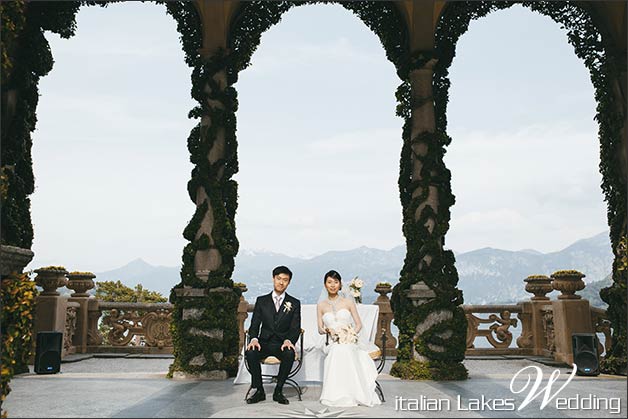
(287,344)
(254,344)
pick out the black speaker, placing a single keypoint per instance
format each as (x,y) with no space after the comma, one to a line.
(48,352)
(585,355)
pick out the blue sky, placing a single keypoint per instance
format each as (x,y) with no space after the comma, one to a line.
(319,142)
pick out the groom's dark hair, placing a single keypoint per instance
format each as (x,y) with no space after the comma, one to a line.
(282,270)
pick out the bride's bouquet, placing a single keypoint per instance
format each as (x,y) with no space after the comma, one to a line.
(345,334)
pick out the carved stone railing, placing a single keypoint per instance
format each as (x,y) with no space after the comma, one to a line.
(497,333)
(549,335)
(602,325)
(546,325)
(71,313)
(130,327)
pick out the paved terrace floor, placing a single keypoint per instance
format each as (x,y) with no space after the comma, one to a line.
(135,387)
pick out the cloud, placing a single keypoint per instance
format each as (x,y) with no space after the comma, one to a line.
(362,141)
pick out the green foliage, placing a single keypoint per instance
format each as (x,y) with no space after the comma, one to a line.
(13,18)
(592,292)
(219,305)
(616,361)
(53,268)
(26,57)
(118,292)
(429,370)
(443,343)
(567,273)
(16,323)
(538,276)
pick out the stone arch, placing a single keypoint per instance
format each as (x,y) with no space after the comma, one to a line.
(599,47)
(242,41)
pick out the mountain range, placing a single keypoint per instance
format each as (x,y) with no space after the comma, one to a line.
(487,276)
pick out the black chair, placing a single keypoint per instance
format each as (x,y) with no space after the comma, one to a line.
(273,360)
(378,356)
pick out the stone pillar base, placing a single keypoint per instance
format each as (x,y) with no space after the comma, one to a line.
(570,316)
(50,311)
(80,335)
(536,340)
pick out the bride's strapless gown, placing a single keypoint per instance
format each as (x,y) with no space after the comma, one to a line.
(349,372)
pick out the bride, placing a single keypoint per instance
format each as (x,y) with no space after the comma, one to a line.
(349,372)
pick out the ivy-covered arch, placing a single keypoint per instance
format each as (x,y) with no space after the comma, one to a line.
(254,18)
(204,327)
(206,299)
(605,64)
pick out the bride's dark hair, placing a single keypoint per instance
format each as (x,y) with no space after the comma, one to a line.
(333,274)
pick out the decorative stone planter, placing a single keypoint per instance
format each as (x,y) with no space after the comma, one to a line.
(51,278)
(80,282)
(539,285)
(568,282)
(383,289)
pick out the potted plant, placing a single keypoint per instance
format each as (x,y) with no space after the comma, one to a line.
(80,282)
(50,278)
(539,285)
(568,282)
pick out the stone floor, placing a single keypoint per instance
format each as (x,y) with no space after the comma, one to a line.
(136,387)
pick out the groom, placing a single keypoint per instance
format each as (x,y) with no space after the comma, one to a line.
(279,316)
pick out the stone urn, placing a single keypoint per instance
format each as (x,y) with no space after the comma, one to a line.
(568,282)
(50,278)
(80,283)
(539,285)
(383,289)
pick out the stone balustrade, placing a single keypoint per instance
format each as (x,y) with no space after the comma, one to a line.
(546,325)
(498,333)
(130,327)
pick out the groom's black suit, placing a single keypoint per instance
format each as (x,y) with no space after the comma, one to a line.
(276,327)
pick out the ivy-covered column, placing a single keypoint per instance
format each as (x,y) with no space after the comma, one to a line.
(615,361)
(426,301)
(205,324)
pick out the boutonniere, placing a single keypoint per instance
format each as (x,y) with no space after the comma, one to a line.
(287,306)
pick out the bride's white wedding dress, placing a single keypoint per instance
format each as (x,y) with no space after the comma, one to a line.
(349,372)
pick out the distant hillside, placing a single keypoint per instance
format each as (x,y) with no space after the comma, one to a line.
(487,276)
(496,276)
(155,278)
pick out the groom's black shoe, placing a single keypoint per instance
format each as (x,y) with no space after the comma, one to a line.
(258,396)
(280,398)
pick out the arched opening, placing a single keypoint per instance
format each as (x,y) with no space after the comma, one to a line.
(524,158)
(109,159)
(318,155)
